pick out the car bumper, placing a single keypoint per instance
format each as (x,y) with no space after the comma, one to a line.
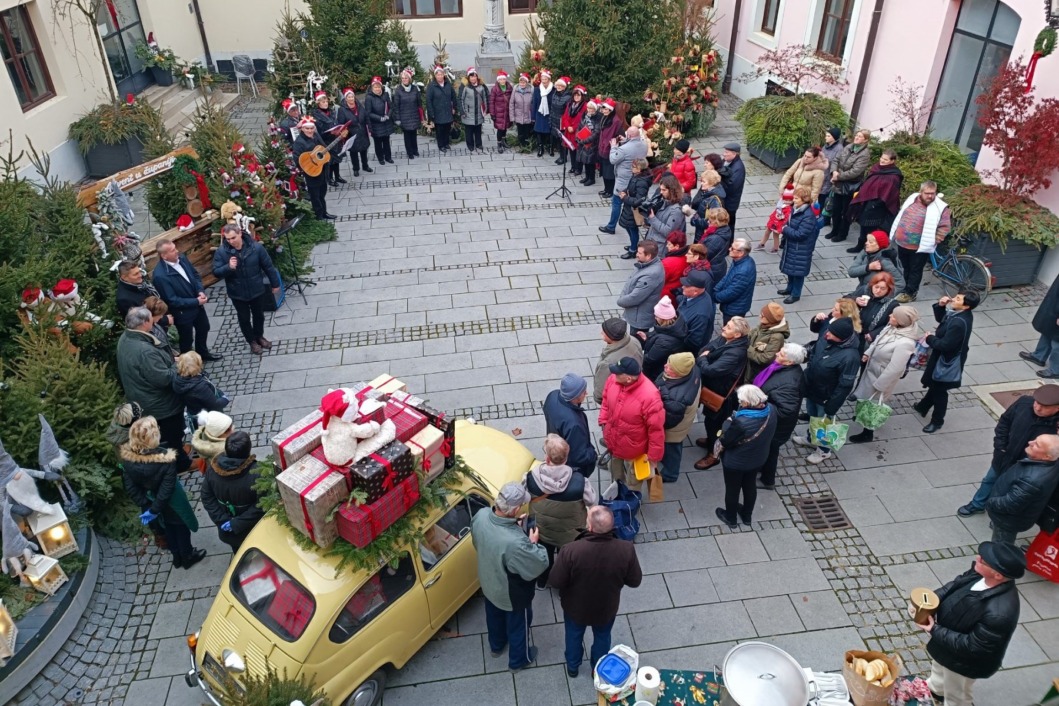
(193,678)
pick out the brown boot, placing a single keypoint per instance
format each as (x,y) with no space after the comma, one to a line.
(256,348)
(264,343)
(708,462)
(702,442)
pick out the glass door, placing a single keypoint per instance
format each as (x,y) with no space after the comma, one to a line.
(118,23)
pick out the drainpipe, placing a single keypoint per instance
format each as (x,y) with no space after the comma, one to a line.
(202,33)
(865,66)
(726,86)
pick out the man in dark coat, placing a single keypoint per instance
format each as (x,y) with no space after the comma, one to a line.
(564,416)
(733,181)
(951,338)
(441,107)
(972,627)
(180,287)
(316,185)
(243,264)
(589,574)
(1027,418)
(735,292)
(1021,493)
(133,290)
(696,308)
(829,377)
(228,493)
(1046,323)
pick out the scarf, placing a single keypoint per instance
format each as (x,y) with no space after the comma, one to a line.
(753,413)
(765,374)
(406,88)
(884,184)
(819,162)
(543,107)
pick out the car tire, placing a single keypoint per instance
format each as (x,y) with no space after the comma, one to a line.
(369,693)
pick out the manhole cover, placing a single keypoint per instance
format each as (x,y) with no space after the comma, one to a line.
(822,513)
(1008,397)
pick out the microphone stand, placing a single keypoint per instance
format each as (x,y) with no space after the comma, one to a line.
(284,232)
(562,191)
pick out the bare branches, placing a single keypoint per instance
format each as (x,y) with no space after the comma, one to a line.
(798,67)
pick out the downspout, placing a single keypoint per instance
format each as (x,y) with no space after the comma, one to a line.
(202,33)
(865,66)
(726,85)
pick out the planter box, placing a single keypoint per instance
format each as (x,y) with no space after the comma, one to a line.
(104,160)
(1017,265)
(775,161)
(161,76)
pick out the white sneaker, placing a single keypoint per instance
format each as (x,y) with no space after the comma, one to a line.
(801,440)
(818,456)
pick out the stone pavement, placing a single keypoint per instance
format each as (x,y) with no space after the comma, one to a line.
(455,274)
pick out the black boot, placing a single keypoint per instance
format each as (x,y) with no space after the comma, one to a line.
(500,147)
(540,145)
(336,173)
(364,165)
(862,438)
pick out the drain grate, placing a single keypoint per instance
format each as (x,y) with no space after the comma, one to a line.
(822,513)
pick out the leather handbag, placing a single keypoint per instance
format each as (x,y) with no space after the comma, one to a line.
(712,400)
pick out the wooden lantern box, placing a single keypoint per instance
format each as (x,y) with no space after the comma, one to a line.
(45,574)
(52,533)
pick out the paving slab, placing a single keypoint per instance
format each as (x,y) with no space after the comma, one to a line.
(741,548)
(773,616)
(916,535)
(483,689)
(819,610)
(693,553)
(690,587)
(771,578)
(695,625)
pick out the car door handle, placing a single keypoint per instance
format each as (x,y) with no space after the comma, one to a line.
(432,581)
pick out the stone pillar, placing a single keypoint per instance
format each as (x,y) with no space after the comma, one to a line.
(494,47)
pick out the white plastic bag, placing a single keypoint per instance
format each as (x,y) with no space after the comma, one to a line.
(614,692)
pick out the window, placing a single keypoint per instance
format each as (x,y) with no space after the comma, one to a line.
(23,59)
(834,28)
(272,596)
(769,17)
(516,7)
(371,599)
(410,9)
(449,530)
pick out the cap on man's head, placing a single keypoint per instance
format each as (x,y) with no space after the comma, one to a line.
(696,278)
(625,366)
(1004,558)
(571,386)
(511,497)
(841,328)
(681,363)
(615,329)
(733,147)
(1047,395)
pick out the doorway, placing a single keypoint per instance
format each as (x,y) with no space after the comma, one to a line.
(118,23)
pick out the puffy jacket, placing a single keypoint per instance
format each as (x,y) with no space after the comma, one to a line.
(875,315)
(358,123)
(831,372)
(620,156)
(561,515)
(228,495)
(952,337)
(888,358)
(809,174)
(674,264)
(831,152)
(441,102)
(698,314)
(799,242)
(851,166)
(1017,426)
(703,201)
(380,114)
(667,219)
(1021,493)
(735,291)
(199,393)
(635,194)
(571,119)
(972,629)
(641,292)
(662,342)
(683,168)
(765,343)
(407,107)
(508,563)
(785,390)
(733,185)
(586,147)
(628,347)
(717,244)
(889,263)
(742,451)
(724,364)
(521,105)
(680,400)
(247,281)
(150,479)
(557,103)
(474,104)
(568,420)
(500,106)
(633,419)
(205,445)
(590,573)
(131,295)
(147,373)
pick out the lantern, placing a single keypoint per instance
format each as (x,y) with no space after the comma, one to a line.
(53,533)
(8,635)
(45,574)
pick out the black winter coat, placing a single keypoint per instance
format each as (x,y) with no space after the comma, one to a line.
(303,144)
(677,396)
(952,337)
(586,148)
(199,393)
(590,573)
(358,124)
(733,185)
(742,451)
(725,363)
(380,114)
(703,201)
(1018,425)
(662,342)
(557,103)
(635,194)
(130,296)
(785,389)
(1045,320)
(1021,493)
(247,281)
(441,103)
(406,107)
(325,120)
(154,473)
(799,242)
(228,495)
(875,315)
(972,629)
(569,421)
(717,245)
(832,372)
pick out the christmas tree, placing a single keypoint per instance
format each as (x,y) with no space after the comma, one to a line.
(294,56)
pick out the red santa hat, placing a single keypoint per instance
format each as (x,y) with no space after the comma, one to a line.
(582,89)
(439,69)
(64,289)
(407,71)
(501,74)
(471,70)
(238,148)
(376,79)
(609,103)
(524,77)
(306,120)
(319,94)
(288,104)
(31,297)
(336,403)
(184,222)
(546,72)
(591,104)
(346,91)
(565,80)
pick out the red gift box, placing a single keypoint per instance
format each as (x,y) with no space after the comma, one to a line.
(360,524)
(371,410)
(291,608)
(408,420)
(376,473)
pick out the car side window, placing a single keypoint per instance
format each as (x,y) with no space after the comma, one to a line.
(447,532)
(373,598)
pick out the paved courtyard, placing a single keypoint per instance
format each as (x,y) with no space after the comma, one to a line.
(457,276)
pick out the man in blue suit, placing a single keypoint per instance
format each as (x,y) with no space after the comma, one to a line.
(181,288)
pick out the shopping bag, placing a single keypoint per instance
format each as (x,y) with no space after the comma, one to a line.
(827,433)
(871,414)
(1042,558)
(920,356)
(655,489)
(624,504)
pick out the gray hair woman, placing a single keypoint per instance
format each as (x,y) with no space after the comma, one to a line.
(886,359)
(781,381)
(743,449)
(721,364)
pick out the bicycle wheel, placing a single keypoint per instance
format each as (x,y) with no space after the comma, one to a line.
(965,272)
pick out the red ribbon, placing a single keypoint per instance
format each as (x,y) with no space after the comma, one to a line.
(446,447)
(204,191)
(368,388)
(292,437)
(426,464)
(269,572)
(388,480)
(1031,69)
(305,508)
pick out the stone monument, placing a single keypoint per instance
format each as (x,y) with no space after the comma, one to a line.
(494,47)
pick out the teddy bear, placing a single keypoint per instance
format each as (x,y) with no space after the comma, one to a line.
(345,440)
(66,303)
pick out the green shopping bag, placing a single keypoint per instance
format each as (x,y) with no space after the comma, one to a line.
(827,433)
(871,414)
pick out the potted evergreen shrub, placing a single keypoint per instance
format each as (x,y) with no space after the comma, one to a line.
(780,125)
(158,61)
(922,158)
(1008,227)
(111,136)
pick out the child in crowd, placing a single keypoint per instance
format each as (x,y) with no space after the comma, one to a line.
(778,219)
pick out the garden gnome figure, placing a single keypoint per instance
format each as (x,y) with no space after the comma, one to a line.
(53,459)
(17,549)
(21,488)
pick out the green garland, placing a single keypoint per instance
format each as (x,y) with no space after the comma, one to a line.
(394,541)
(1044,44)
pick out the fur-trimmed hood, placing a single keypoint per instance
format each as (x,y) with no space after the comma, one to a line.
(229,467)
(155,455)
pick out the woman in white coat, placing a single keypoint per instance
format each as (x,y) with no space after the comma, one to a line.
(886,360)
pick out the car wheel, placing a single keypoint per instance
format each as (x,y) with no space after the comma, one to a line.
(370,692)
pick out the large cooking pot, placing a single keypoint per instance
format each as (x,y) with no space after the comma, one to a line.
(760,674)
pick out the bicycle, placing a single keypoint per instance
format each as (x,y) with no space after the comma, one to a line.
(961,271)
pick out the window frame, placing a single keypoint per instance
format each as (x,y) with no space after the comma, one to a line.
(15,61)
(406,562)
(763,28)
(845,23)
(531,5)
(465,533)
(436,15)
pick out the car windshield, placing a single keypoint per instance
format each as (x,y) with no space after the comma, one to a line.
(275,599)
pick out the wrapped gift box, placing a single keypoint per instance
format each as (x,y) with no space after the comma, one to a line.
(310,490)
(371,410)
(379,388)
(360,524)
(437,418)
(380,472)
(408,420)
(426,450)
(298,439)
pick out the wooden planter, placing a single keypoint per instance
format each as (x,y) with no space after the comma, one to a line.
(775,161)
(161,76)
(1016,265)
(102,160)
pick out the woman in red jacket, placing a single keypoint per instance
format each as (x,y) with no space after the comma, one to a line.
(683,167)
(569,125)
(674,263)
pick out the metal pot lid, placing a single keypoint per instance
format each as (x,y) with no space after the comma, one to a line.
(757,673)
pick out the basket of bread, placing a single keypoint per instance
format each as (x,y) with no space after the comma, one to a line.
(870,676)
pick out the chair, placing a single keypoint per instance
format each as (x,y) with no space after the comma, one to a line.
(244,71)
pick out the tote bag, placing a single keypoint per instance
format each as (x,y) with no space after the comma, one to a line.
(1042,558)
(826,433)
(871,414)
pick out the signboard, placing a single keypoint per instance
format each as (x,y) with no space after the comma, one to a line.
(131,178)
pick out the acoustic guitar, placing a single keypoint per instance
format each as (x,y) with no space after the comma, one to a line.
(312,162)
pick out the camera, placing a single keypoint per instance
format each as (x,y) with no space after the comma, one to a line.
(653,203)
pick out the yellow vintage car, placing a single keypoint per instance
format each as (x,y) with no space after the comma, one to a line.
(351,626)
